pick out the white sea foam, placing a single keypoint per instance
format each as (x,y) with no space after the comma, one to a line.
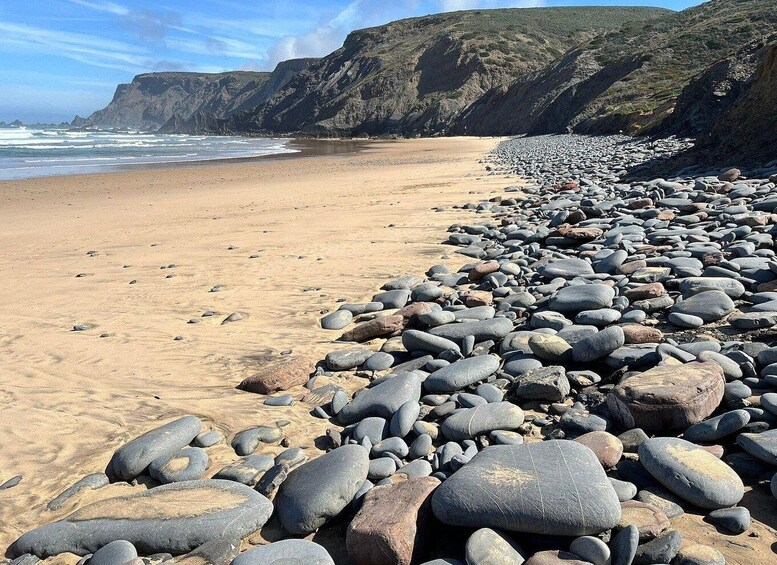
(26,152)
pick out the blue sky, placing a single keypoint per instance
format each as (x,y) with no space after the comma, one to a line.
(59,58)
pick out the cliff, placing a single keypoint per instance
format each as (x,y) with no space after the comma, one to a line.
(153,99)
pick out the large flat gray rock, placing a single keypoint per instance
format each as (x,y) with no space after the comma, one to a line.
(555,487)
(175,518)
(321,488)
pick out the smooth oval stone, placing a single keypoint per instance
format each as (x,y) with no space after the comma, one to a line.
(489,547)
(582,297)
(668,397)
(490,392)
(552,487)
(484,330)
(403,419)
(709,305)
(208,439)
(624,489)
(598,345)
(415,469)
(685,320)
(114,553)
(175,518)
(286,552)
(379,361)
(734,520)
(607,448)
(132,459)
(599,318)
(392,298)
(347,359)
(245,442)
(415,340)
(421,446)
(567,268)
(320,489)
(624,545)
(187,464)
(336,320)
(550,348)
(717,427)
(382,400)
(381,468)
(390,446)
(763,446)
(472,422)
(373,428)
(691,472)
(694,285)
(462,373)
(591,549)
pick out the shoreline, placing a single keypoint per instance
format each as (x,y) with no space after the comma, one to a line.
(73,397)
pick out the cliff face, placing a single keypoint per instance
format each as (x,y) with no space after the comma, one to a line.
(484,72)
(631,79)
(152,99)
(747,130)
(414,77)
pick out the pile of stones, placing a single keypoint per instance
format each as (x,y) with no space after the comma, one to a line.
(604,364)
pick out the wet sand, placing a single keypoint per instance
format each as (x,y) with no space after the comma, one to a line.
(321,227)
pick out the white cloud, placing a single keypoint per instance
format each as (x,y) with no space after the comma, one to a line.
(329,35)
(84,48)
(103,6)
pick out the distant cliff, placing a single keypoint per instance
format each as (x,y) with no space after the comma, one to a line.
(153,99)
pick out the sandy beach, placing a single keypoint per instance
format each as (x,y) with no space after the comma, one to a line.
(96,250)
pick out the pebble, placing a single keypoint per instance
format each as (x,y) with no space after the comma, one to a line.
(286,552)
(490,547)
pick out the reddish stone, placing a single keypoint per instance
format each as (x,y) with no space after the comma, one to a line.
(280,376)
(607,448)
(473,298)
(650,520)
(379,327)
(482,269)
(667,398)
(645,291)
(390,527)
(635,333)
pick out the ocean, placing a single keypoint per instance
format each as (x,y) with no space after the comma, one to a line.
(30,152)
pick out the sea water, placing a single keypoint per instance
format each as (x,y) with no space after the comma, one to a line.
(30,152)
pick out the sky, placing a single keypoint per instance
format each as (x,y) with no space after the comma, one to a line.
(59,58)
